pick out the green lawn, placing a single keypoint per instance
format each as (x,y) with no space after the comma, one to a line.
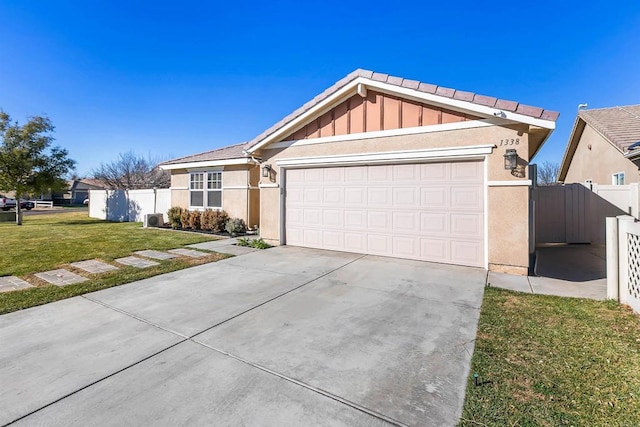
(552,361)
(47,242)
(44,242)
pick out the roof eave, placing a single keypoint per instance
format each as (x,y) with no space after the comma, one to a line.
(207,163)
(572,145)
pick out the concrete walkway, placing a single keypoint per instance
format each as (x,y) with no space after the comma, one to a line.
(578,271)
(286,336)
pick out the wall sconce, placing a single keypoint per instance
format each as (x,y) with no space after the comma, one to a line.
(510,159)
(266,171)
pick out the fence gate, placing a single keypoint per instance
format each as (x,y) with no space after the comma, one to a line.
(562,214)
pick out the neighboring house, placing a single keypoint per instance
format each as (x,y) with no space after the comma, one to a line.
(77,191)
(601,147)
(383,165)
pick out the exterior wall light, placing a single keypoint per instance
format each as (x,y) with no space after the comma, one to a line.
(266,171)
(510,159)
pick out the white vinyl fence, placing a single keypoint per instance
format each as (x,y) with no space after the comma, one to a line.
(128,206)
(623,261)
(575,213)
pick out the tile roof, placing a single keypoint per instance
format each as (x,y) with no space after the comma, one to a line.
(472,97)
(620,125)
(224,153)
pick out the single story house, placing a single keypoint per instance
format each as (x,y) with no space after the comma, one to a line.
(604,147)
(383,165)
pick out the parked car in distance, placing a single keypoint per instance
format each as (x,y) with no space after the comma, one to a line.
(7,203)
(27,204)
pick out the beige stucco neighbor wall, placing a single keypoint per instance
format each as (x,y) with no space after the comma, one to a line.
(599,162)
(507,206)
(239,200)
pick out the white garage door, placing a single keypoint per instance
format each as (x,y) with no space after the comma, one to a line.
(429,211)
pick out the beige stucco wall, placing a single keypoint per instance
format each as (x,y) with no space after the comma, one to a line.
(507,205)
(600,162)
(237,200)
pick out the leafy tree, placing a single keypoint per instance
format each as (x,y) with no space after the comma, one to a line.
(548,173)
(131,172)
(28,162)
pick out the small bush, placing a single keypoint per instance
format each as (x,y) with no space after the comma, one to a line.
(255,243)
(209,217)
(184,219)
(220,221)
(195,220)
(235,226)
(174,215)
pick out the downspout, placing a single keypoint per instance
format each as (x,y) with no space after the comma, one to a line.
(256,164)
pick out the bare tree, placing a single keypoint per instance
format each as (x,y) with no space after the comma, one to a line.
(548,173)
(132,172)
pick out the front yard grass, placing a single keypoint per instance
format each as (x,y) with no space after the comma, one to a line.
(551,361)
(47,242)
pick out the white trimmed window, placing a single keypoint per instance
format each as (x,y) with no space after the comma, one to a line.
(205,190)
(617,178)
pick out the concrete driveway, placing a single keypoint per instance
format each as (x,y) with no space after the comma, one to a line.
(287,336)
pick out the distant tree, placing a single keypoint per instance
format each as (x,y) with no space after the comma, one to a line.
(28,162)
(548,173)
(131,172)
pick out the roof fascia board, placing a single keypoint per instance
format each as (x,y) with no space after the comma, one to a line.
(317,110)
(207,163)
(574,138)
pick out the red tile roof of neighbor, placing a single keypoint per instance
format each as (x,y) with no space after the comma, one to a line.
(235,151)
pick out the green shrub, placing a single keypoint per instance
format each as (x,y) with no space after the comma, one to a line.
(174,215)
(255,243)
(195,220)
(235,226)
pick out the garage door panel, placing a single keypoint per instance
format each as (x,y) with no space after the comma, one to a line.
(406,197)
(466,171)
(332,218)
(409,173)
(467,225)
(467,197)
(355,196)
(333,195)
(434,197)
(434,172)
(378,220)
(405,246)
(407,222)
(466,252)
(431,212)
(434,223)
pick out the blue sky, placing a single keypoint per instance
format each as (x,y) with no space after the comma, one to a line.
(167,79)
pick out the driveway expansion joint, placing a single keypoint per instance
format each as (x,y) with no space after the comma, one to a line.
(317,390)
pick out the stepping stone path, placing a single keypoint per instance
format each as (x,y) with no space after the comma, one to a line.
(155,254)
(61,277)
(13,283)
(189,252)
(136,262)
(94,266)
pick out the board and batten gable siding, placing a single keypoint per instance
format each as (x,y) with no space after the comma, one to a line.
(597,159)
(507,206)
(376,112)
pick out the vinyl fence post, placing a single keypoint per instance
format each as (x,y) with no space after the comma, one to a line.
(612,259)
